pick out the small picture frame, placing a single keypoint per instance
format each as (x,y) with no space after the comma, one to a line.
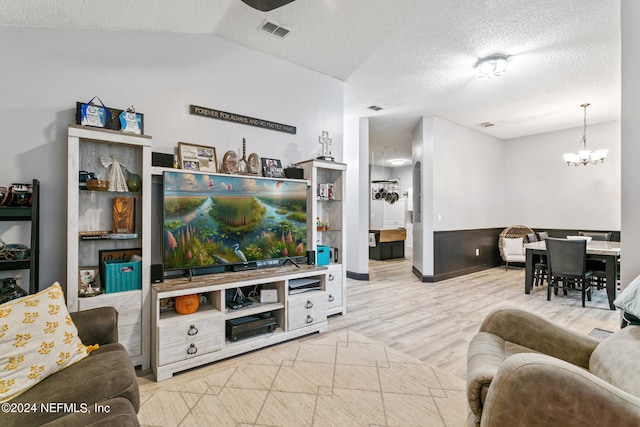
(88,282)
(272,168)
(197,157)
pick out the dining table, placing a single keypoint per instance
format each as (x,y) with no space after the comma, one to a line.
(606,251)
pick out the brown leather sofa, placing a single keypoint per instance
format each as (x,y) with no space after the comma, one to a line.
(523,370)
(100,390)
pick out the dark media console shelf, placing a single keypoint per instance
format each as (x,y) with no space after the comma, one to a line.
(180,342)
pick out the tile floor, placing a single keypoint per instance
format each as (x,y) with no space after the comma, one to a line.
(334,379)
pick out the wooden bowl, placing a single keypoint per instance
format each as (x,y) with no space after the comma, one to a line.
(97,185)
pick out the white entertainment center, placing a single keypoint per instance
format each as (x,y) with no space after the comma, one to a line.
(153,333)
(184,341)
(181,342)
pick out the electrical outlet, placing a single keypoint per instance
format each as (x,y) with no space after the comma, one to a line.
(477,252)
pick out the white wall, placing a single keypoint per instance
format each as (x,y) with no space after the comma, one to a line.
(468,178)
(630,236)
(478,181)
(541,191)
(423,189)
(44,72)
(356,137)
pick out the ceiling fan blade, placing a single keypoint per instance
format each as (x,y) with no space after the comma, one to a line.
(266,5)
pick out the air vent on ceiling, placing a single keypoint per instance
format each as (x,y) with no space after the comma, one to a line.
(486,124)
(374,108)
(274,29)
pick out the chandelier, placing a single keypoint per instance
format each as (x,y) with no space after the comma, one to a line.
(584,156)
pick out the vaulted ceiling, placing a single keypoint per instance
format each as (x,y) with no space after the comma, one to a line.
(410,57)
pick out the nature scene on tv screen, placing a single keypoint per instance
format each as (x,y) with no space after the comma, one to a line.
(222,219)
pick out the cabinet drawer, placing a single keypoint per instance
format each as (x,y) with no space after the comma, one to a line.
(185,338)
(306,309)
(334,287)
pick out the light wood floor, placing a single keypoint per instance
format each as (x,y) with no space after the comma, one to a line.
(434,322)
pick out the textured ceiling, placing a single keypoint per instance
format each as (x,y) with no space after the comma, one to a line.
(410,57)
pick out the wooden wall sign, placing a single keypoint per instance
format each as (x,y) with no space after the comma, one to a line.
(236,118)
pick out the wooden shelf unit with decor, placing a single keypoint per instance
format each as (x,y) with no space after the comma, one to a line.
(91,212)
(29,214)
(326,205)
(184,341)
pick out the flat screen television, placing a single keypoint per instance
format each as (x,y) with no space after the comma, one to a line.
(215,223)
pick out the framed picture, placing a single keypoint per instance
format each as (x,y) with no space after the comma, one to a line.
(272,168)
(124,219)
(88,281)
(197,157)
(111,254)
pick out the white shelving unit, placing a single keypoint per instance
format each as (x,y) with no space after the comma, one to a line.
(89,211)
(329,209)
(181,342)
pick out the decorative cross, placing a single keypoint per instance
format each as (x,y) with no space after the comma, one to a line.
(326,144)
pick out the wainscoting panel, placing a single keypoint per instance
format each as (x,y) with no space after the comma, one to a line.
(454,251)
(459,252)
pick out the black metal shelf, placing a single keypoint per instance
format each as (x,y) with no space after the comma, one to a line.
(23,264)
(11,213)
(32,213)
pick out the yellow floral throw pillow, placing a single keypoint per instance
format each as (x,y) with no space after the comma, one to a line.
(37,339)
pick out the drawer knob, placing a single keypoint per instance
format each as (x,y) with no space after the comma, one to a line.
(309,319)
(192,330)
(192,349)
(331,277)
(331,298)
(309,304)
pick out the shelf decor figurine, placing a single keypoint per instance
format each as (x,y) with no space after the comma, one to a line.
(134,182)
(230,162)
(130,121)
(242,163)
(248,165)
(187,304)
(117,181)
(326,146)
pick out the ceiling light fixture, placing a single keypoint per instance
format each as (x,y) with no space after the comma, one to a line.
(494,65)
(266,5)
(584,156)
(397,162)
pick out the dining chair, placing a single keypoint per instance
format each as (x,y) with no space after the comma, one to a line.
(540,266)
(567,263)
(596,235)
(597,267)
(543,235)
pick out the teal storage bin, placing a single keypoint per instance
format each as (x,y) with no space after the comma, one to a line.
(322,255)
(122,275)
